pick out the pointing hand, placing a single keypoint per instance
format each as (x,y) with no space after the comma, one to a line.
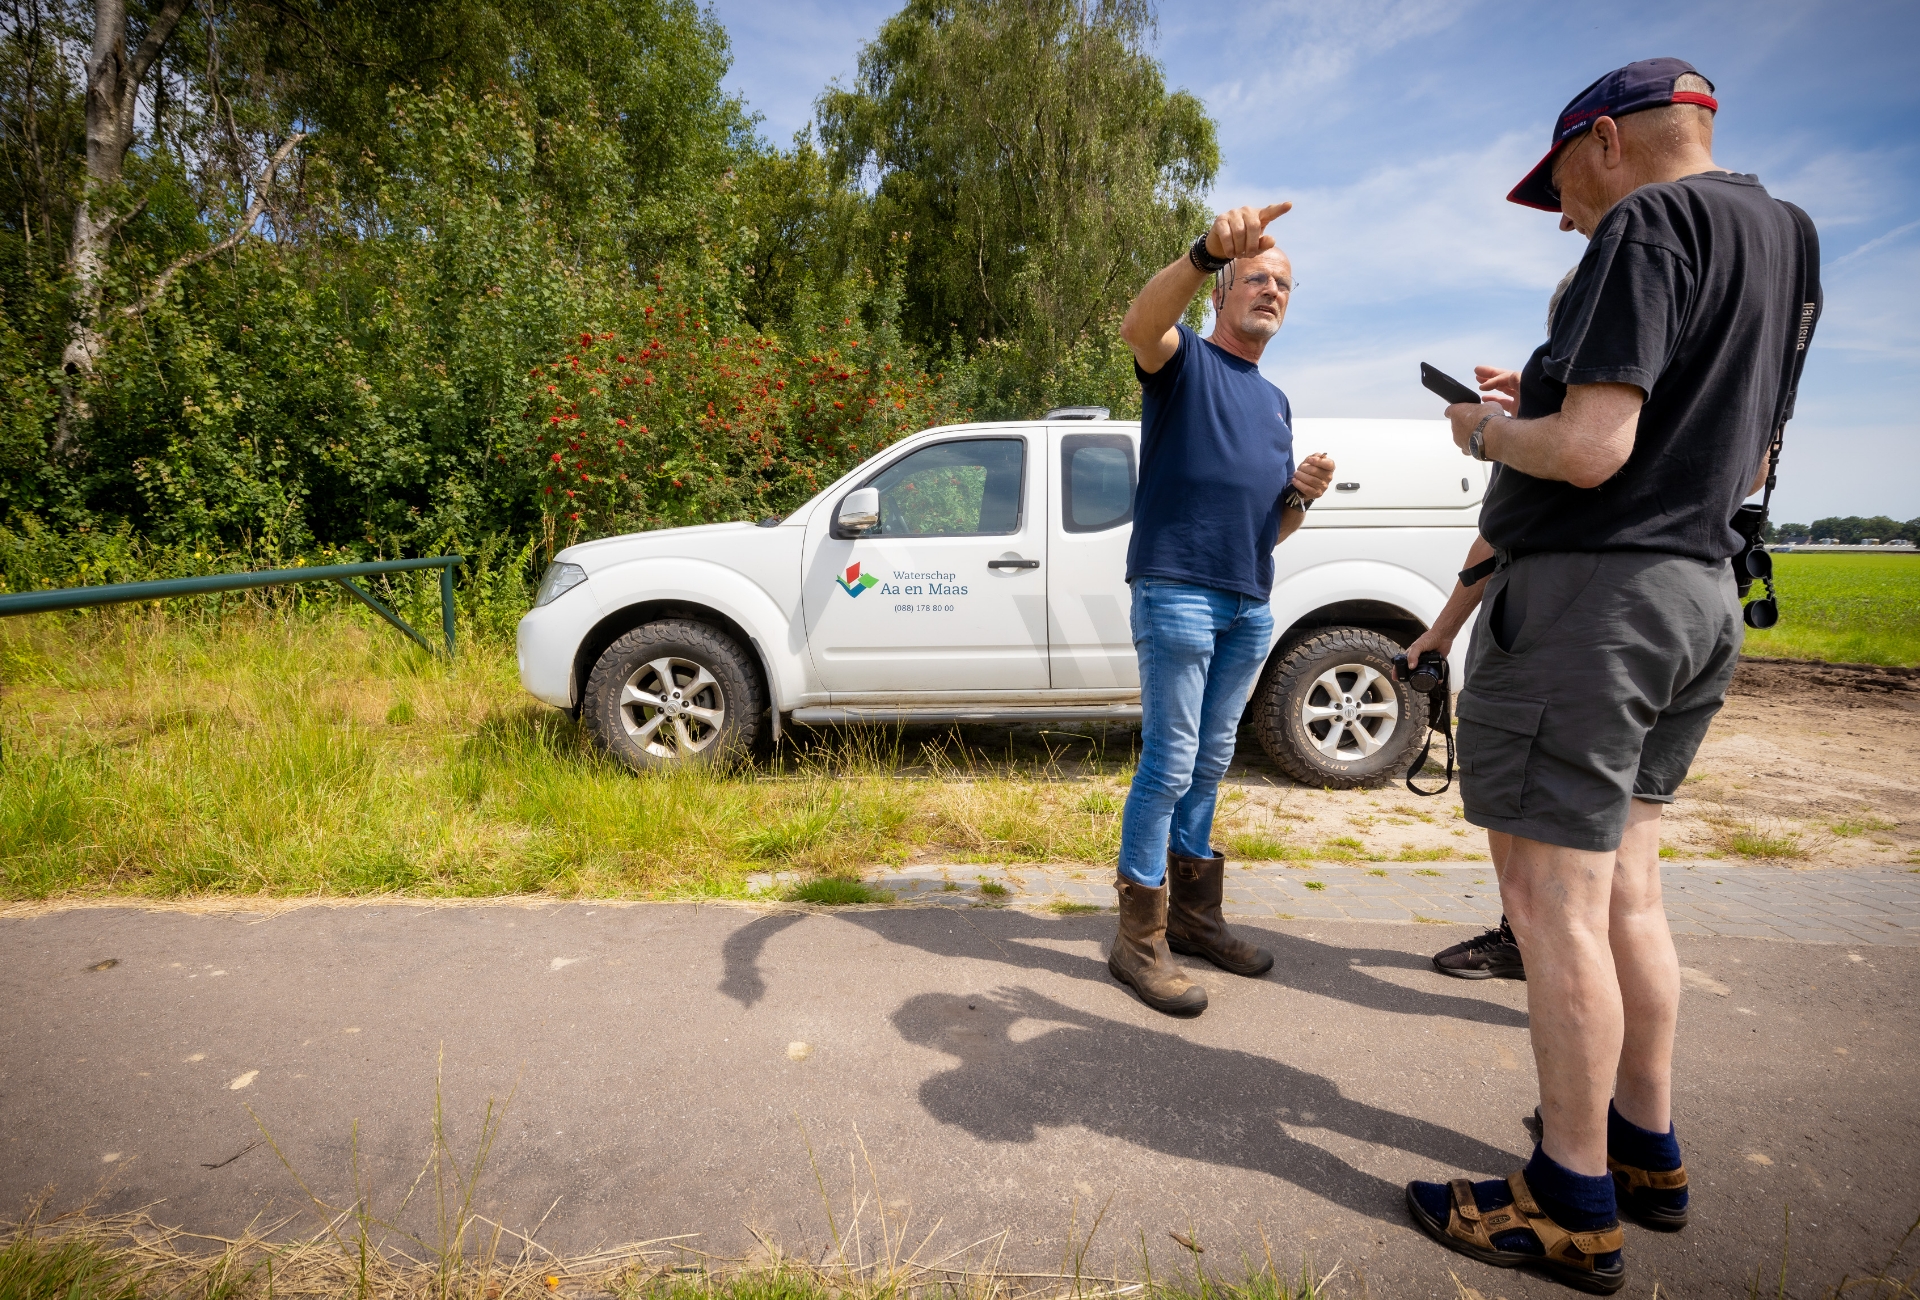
(1242,232)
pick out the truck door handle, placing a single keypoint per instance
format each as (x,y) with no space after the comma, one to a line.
(1013,564)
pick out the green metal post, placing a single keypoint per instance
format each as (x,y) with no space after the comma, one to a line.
(377,607)
(446,605)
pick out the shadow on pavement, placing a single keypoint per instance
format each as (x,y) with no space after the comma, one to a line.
(741,979)
(1324,969)
(1162,1092)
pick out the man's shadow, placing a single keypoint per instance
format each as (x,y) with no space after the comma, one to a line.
(1165,1093)
(740,977)
(1327,970)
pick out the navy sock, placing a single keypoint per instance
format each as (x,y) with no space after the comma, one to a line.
(1576,1202)
(1632,1145)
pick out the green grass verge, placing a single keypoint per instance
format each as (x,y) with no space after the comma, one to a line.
(1845,609)
(323,755)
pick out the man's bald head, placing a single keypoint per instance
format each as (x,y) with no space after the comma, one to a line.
(1674,129)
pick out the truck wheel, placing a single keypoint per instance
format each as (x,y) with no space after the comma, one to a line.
(672,693)
(1329,712)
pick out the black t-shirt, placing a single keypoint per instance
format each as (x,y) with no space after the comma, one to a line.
(1689,291)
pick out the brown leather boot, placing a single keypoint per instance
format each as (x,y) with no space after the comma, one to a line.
(1140,957)
(1194,924)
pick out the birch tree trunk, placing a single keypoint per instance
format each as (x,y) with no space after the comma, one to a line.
(113,92)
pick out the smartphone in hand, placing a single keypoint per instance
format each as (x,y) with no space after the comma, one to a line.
(1445,385)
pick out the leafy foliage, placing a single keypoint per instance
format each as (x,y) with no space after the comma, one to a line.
(685,414)
(366,352)
(1031,152)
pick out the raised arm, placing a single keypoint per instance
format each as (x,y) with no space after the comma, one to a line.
(1148,327)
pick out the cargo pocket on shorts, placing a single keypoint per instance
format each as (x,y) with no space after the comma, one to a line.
(1496,743)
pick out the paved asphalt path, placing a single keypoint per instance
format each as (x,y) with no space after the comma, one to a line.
(1846,905)
(669,1058)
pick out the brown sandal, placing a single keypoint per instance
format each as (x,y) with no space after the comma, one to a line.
(1568,1256)
(1630,1188)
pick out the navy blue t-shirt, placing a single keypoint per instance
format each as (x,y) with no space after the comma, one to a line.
(1216,452)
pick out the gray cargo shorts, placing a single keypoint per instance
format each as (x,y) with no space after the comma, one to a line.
(1590,683)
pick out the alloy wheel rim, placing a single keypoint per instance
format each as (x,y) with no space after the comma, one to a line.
(1350,712)
(673,708)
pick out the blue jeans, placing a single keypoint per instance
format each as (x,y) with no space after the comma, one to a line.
(1200,650)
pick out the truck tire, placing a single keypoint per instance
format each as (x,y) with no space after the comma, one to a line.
(674,693)
(1329,712)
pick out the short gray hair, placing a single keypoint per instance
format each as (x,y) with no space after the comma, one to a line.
(1559,292)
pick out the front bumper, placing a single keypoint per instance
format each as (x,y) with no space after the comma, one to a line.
(547,640)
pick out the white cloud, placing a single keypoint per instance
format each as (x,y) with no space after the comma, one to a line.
(1411,229)
(1877,242)
(1838,187)
(1379,377)
(1298,58)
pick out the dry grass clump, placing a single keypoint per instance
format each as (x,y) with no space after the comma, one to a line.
(1762,839)
(433,1245)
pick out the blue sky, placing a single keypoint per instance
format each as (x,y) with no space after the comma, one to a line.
(1396,127)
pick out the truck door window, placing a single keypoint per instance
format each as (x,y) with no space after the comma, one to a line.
(953,489)
(1096,481)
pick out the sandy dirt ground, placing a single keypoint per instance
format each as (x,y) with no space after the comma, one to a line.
(1814,765)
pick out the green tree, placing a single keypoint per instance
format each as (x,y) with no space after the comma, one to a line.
(1851,529)
(1032,156)
(324,350)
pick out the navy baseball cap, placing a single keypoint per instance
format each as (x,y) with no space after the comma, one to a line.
(1646,84)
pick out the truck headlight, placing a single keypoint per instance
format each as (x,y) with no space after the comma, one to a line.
(557,582)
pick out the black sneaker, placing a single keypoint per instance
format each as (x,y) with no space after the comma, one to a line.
(1490,956)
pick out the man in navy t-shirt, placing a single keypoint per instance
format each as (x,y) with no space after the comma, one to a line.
(1218,490)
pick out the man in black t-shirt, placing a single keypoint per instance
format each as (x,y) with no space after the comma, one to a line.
(1608,633)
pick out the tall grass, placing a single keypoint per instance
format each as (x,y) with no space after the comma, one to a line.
(311,751)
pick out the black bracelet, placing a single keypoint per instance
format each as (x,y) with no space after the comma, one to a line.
(1206,263)
(1294,499)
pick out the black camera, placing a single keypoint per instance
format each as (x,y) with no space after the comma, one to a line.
(1429,677)
(1424,676)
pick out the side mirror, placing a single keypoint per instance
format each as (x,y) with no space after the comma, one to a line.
(859,511)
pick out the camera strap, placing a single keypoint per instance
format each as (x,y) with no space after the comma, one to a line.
(1807,314)
(1440,719)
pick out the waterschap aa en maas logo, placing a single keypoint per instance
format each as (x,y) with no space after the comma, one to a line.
(855,581)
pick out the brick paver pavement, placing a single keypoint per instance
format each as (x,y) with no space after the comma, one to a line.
(1850,906)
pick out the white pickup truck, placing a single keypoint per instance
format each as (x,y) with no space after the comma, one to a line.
(976,573)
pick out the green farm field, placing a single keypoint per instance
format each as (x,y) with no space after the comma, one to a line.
(1848,608)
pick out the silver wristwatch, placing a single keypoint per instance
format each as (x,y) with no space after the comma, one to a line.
(1476,441)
